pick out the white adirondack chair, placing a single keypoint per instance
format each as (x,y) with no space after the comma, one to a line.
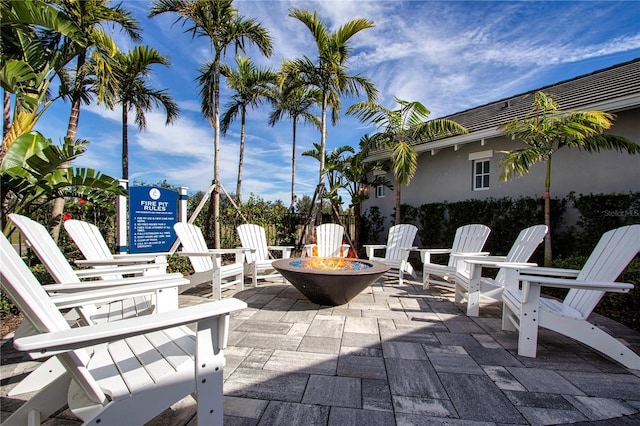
(164,296)
(120,373)
(61,271)
(396,255)
(468,241)
(328,242)
(207,263)
(258,259)
(525,310)
(470,283)
(96,252)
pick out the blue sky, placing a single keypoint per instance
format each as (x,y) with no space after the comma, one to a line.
(450,55)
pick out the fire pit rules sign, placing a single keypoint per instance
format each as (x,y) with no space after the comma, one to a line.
(152,214)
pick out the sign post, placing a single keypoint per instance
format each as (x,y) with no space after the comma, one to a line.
(152,213)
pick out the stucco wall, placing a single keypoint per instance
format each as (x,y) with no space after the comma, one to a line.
(447,175)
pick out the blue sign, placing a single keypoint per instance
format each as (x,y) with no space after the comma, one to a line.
(152,214)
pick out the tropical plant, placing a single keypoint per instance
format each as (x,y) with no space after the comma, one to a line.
(252,86)
(219,21)
(90,16)
(133,93)
(30,61)
(356,172)
(294,101)
(334,163)
(328,73)
(545,130)
(402,128)
(32,176)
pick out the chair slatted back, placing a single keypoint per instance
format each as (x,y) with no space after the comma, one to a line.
(615,250)
(400,236)
(192,240)
(41,314)
(523,247)
(90,241)
(329,239)
(254,237)
(469,239)
(45,248)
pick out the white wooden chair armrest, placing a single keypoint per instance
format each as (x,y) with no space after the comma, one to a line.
(498,264)
(552,272)
(371,249)
(119,261)
(81,337)
(425,253)
(120,282)
(617,287)
(479,256)
(286,250)
(141,256)
(119,270)
(280,248)
(106,295)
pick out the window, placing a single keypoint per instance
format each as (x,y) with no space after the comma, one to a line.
(481,173)
(380,191)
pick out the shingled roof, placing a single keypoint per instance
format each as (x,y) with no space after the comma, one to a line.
(611,89)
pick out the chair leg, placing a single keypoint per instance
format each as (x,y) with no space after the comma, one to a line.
(529,322)
(216,285)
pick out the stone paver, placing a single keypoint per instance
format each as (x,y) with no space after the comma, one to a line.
(395,355)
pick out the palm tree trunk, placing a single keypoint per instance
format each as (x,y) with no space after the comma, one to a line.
(125,143)
(293,166)
(323,134)
(398,193)
(214,205)
(243,120)
(6,115)
(547,216)
(72,130)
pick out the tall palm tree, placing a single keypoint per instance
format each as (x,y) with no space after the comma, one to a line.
(219,21)
(252,86)
(328,73)
(401,129)
(545,130)
(134,94)
(294,101)
(90,16)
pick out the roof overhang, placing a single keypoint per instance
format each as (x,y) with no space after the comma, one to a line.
(613,105)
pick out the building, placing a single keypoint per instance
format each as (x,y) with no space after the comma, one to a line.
(468,166)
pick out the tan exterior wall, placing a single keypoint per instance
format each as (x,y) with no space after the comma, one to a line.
(447,175)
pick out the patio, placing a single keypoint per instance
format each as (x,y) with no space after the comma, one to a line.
(393,355)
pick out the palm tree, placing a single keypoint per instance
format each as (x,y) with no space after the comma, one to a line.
(334,163)
(90,16)
(294,101)
(219,21)
(355,172)
(30,61)
(328,74)
(403,128)
(252,86)
(133,93)
(544,131)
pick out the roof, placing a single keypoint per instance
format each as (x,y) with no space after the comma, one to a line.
(610,89)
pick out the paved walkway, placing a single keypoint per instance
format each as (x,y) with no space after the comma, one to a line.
(395,355)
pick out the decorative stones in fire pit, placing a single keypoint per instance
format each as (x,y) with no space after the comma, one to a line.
(330,280)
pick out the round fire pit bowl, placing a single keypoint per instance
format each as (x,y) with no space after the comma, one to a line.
(330,280)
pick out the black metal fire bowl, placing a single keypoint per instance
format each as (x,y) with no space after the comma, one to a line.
(330,286)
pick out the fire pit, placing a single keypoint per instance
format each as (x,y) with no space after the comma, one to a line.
(330,280)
